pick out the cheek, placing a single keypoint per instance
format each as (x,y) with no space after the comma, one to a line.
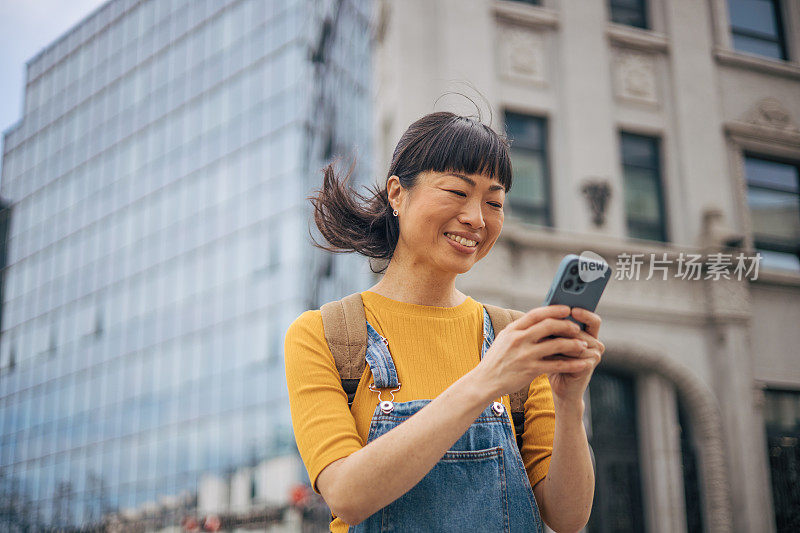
(494,225)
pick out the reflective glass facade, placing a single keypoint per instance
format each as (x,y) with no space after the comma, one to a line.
(158,244)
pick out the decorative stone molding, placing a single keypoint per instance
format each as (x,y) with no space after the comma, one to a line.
(637,39)
(728,300)
(704,415)
(520,53)
(527,15)
(635,76)
(715,234)
(766,139)
(759,398)
(597,192)
(770,113)
(741,60)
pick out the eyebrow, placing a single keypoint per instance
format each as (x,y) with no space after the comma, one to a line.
(472,182)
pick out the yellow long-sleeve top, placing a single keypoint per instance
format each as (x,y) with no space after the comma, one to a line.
(432,347)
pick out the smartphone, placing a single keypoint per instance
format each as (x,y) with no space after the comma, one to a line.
(579,282)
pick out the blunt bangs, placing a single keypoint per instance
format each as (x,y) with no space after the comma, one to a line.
(463,145)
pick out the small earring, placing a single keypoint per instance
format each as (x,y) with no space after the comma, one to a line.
(394,212)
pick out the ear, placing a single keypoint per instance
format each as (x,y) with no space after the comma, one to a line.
(394,190)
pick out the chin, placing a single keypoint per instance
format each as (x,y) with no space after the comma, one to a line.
(464,266)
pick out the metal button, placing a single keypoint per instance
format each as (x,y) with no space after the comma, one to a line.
(386,406)
(498,408)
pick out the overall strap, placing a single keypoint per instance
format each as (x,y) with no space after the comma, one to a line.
(501,317)
(345,326)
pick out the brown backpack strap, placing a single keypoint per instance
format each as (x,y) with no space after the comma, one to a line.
(500,318)
(345,326)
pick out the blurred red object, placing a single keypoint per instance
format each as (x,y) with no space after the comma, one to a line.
(299,495)
(212,523)
(189,523)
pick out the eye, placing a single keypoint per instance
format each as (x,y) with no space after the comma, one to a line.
(494,204)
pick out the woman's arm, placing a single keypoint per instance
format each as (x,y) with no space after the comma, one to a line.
(372,477)
(565,495)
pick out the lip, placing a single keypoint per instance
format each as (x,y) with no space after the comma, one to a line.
(460,247)
(466,235)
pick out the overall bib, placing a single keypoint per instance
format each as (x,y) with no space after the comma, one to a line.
(480,484)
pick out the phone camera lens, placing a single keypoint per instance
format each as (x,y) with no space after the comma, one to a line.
(568,284)
(573,269)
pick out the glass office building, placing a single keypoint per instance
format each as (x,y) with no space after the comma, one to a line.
(158,243)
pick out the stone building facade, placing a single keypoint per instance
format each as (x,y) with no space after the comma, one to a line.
(661,128)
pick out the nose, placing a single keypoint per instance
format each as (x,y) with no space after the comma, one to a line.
(472,214)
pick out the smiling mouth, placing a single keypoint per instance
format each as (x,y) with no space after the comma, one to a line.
(462,241)
(463,248)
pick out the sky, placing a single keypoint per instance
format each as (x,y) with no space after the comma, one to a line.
(26,27)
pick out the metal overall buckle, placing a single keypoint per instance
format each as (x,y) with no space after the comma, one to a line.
(385,405)
(498,408)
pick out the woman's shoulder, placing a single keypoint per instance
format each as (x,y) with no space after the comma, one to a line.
(308,323)
(305,341)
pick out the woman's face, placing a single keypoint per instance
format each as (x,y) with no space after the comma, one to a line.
(440,203)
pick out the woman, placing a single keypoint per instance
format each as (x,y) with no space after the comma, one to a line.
(443,459)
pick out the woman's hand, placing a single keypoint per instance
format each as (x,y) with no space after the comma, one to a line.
(523,349)
(570,386)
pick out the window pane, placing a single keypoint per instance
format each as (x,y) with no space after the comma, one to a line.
(774,202)
(771,174)
(525,131)
(645,230)
(529,212)
(639,151)
(756,27)
(528,184)
(642,184)
(630,12)
(754,15)
(760,47)
(775,214)
(628,16)
(781,260)
(529,197)
(642,195)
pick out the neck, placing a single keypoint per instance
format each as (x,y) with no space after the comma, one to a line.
(417,284)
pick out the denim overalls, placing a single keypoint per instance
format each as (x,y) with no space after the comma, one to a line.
(480,484)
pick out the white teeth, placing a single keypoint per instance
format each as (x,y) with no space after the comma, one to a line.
(462,240)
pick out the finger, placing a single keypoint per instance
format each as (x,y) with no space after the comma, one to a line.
(565,366)
(593,359)
(587,353)
(592,320)
(540,313)
(553,327)
(593,342)
(561,346)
